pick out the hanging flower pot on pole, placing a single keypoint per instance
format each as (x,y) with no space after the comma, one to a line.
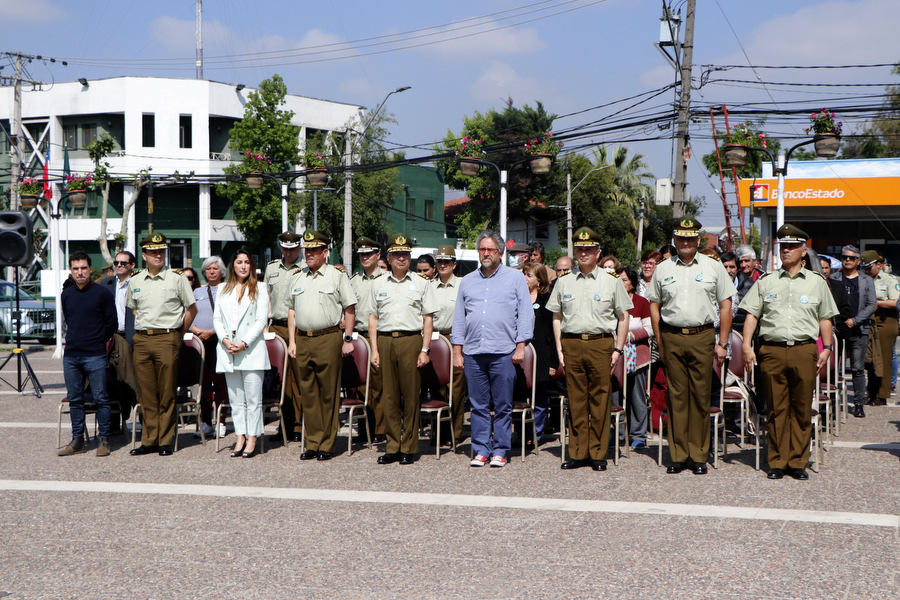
(254,180)
(740,140)
(735,155)
(29,192)
(76,186)
(827,133)
(471,152)
(317,177)
(255,164)
(28,201)
(542,151)
(470,166)
(541,163)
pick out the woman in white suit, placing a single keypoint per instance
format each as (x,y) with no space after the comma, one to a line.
(240,317)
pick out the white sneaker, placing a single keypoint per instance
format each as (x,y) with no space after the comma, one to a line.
(479,461)
(222,431)
(498,461)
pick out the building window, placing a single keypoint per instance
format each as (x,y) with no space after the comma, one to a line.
(184,131)
(542,231)
(88,134)
(149,131)
(70,136)
(429,209)
(411,209)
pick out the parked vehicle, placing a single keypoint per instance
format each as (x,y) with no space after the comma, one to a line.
(37,318)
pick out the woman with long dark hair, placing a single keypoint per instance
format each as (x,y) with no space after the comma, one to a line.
(240,317)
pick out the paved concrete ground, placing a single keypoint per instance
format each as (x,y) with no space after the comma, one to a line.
(200,524)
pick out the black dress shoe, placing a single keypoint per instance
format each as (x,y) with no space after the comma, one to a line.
(598,465)
(141,450)
(295,437)
(699,468)
(309,455)
(775,474)
(386,459)
(676,467)
(324,456)
(165,451)
(799,474)
(859,412)
(574,464)
(251,454)
(407,459)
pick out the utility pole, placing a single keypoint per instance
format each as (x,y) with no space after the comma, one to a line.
(684,114)
(198,35)
(16,158)
(347,254)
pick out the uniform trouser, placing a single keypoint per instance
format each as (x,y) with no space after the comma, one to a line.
(789,377)
(245,399)
(156,369)
(887,336)
(317,370)
(124,388)
(689,367)
(491,379)
(856,354)
(291,409)
(374,409)
(401,384)
(588,381)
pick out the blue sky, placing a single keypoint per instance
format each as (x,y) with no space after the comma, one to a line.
(466,56)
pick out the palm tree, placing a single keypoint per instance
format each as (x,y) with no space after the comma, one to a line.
(629,176)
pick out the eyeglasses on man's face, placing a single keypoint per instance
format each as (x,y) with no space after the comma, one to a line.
(121,263)
(849,257)
(488,251)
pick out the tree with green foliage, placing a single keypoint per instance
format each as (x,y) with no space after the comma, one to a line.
(265,130)
(503,135)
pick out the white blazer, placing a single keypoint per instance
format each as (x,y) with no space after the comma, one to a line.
(251,321)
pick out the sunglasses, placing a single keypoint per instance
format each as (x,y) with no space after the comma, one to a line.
(488,251)
(189,277)
(849,257)
(121,263)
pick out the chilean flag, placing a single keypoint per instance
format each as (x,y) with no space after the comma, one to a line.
(48,189)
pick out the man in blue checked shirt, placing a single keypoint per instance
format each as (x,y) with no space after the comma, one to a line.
(492,323)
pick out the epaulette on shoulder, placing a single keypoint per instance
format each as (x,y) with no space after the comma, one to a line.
(340,268)
(274,260)
(766,274)
(612,273)
(564,274)
(179,271)
(423,276)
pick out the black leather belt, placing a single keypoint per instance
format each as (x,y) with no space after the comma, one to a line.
(789,344)
(586,336)
(685,330)
(157,331)
(279,322)
(319,333)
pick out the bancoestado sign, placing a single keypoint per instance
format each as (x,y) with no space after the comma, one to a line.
(855,191)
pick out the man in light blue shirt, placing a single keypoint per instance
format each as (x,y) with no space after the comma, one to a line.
(492,323)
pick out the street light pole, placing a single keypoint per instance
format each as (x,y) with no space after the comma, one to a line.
(349,145)
(569,191)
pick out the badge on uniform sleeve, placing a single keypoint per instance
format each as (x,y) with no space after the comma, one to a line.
(535,306)
(897,286)
(699,277)
(597,296)
(804,299)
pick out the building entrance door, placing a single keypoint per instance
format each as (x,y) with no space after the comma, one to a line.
(178,255)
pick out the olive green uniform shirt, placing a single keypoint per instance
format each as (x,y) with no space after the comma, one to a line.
(399,305)
(319,298)
(886,287)
(362,287)
(445,294)
(159,302)
(589,303)
(278,281)
(688,294)
(789,308)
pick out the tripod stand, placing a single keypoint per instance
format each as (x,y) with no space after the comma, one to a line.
(19,353)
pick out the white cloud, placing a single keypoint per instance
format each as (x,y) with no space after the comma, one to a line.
(489,42)
(34,11)
(499,81)
(177,35)
(359,87)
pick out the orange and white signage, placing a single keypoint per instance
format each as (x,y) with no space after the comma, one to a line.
(851,191)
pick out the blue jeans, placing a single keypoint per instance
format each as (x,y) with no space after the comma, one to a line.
(93,368)
(490,379)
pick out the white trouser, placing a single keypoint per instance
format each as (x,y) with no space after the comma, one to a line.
(245,397)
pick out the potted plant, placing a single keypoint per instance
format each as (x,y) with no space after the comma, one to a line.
(77,186)
(314,164)
(29,192)
(826,133)
(740,139)
(255,164)
(471,151)
(542,151)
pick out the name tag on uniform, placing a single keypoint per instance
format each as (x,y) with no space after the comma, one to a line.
(382,295)
(137,289)
(771,296)
(669,278)
(567,296)
(297,290)
(274,275)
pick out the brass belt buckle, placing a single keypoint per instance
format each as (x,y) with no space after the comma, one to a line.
(309,333)
(395,334)
(685,331)
(790,343)
(585,337)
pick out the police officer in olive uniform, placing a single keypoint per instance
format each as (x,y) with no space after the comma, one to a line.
(887,293)
(278,282)
(400,325)
(683,295)
(590,325)
(446,288)
(369,252)
(320,300)
(793,306)
(164,308)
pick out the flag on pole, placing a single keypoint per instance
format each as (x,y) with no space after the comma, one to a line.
(48,191)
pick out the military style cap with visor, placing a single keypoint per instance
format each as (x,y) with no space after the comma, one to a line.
(365,245)
(314,239)
(445,252)
(791,234)
(399,243)
(155,241)
(869,258)
(586,237)
(289,240)
(687,227)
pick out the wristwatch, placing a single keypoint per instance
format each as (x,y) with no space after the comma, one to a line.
(426,350)
(348,338)
(723,346)
(828,347)
(619,350)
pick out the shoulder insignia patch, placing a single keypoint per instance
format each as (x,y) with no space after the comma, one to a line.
(340,268)
(423,276)
(179,271)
